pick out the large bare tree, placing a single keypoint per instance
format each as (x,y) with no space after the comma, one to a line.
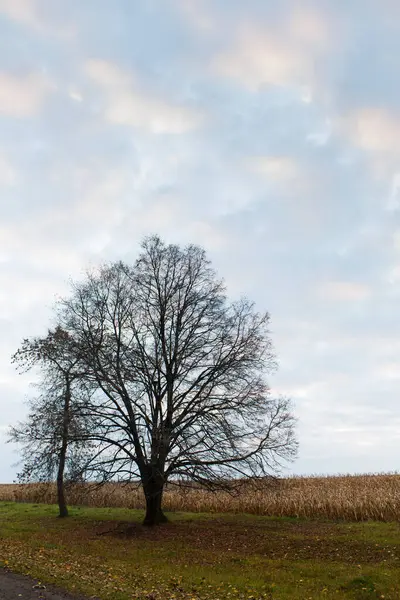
(181,373)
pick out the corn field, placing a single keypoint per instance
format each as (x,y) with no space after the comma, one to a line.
(344,497)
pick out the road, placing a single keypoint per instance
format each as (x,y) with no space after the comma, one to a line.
(20,587)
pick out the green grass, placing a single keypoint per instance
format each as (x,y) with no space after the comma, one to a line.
(201,556)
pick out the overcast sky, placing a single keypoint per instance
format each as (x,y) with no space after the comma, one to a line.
(267,131)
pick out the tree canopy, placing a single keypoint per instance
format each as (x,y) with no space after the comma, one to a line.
(177,374)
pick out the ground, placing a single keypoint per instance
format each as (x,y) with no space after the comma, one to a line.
(13,585)
(108,554)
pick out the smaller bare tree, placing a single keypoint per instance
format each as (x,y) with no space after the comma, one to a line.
(53,436)
(41,436)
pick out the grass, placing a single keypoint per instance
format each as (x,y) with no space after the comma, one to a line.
(105,552)
(352,498)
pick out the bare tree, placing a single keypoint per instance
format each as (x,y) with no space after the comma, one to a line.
(180,372)
(52,435)
(41,437)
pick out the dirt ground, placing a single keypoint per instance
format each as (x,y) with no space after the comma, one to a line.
(195,556)
(304,540)
(13,587)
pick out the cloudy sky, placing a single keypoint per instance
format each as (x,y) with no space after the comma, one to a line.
(267,131)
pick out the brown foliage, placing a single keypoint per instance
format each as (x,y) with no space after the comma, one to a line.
(348,497)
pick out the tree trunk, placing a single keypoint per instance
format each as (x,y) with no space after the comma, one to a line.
(62,505)
(153,491)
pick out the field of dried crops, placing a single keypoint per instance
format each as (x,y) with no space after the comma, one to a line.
(348,497)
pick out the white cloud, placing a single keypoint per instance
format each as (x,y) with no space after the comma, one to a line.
(344,291)
(396,241)
(392,275)
(259,58)
(374,130)
(309,27)
(389,371)
(277,168)
(321,137)
(98,191)
(24,11)
(128,104)
(298,183)
(23,96)
(108,74)
(29,13)
(20,294)
(394,194)
(196,15)
(283,55)
(8,173)
(206,234)
(75,95)
(35,244)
